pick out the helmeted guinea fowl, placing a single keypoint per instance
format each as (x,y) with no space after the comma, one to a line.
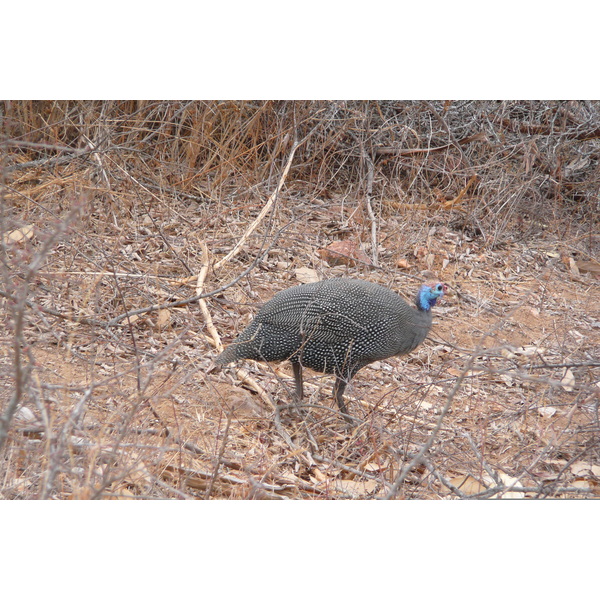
(336,326)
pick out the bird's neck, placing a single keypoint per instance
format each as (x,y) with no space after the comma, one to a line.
(422,304)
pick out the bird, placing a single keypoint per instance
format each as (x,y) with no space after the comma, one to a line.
(335,326)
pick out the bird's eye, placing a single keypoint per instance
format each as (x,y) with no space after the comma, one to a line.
(439,288)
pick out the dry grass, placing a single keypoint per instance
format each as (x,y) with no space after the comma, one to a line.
(107,386)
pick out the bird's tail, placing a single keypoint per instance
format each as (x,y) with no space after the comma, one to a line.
(227,356)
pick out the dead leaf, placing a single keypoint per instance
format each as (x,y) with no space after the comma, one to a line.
(568,380)
(318,475)
(374,467)
(547,411)
(577,164)
(529,350)
(509,482)
(344,252)
(420,252)
(582,484)
(468,485)
(507,380)
(24,413)
(402,264)
(581,468)
(306,275)
(356,489)
(588,266)
(164,316)
(454,372)
(131,319)
(18,235)
(573,267)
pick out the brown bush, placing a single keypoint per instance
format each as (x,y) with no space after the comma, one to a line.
(110,211)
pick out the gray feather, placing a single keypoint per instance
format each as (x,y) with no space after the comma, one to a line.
(334,326)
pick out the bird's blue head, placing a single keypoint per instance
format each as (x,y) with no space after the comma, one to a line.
(428,295)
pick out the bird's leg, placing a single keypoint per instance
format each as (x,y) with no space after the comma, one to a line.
(338,391)
(299,391)
(297,367)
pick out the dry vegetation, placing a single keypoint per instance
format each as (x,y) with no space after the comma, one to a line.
(134,234)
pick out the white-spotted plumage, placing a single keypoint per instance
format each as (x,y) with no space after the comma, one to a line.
(335,326)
